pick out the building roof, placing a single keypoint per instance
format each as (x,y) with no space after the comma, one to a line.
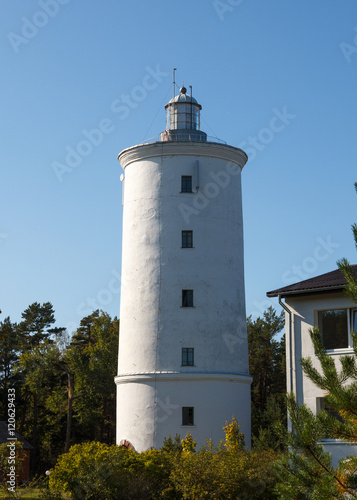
(4,435)
(329,282)
(183,98)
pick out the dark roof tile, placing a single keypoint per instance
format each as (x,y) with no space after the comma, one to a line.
(333,280)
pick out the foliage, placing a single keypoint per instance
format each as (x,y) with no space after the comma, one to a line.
(344,265)
(9,342)
(36,323)
(4,461)
(65,391)
(267,367)
(228,471)
(99,471)
(188,444)
(234,437)
(172,445)
(50,495)
(307,470)
(92,471)
(40,400)
(92,358)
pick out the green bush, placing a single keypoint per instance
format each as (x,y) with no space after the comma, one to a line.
(216,473)
(105,472)
(96,471)
(93,471)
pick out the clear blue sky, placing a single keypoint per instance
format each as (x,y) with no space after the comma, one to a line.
(68,67)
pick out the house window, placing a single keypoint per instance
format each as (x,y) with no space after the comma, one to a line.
(187,239)
(186,184)
(187,298)
(323,405)
(187,415)
(333,326)
(187,356)
(354,320)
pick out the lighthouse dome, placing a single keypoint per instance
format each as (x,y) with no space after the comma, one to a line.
(184,98)
(183,119)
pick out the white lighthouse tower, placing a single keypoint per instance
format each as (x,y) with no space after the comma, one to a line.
(183,353)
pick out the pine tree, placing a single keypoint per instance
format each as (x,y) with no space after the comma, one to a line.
(344,265)
(34,327)
(8,357)
(267,367)
(307,470)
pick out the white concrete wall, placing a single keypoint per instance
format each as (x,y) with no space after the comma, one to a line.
(150,408)
(155,269)
(305,318)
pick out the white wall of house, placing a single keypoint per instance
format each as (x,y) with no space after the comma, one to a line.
(304,317)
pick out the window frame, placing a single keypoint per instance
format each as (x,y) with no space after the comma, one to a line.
(188,416)
(184,184)
(186,233)
(322,405)
(187,356)
(351,312)
(187,298)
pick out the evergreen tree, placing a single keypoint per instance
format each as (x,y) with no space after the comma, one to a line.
(65,390)
(36,323)
(8,357)
(267,367)
(344,265)
(8,351)
(43,403)
(307,470)
(92,358)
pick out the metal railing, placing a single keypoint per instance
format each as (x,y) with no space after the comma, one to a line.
(183,136)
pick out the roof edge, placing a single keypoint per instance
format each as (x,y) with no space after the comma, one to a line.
(309,291)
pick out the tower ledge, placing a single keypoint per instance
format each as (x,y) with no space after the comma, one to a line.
(182,376)
(209,149)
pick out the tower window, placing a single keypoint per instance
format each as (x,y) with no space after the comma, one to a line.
(187,356)
(186,184)
(187,415)
(187,239)
(187,298)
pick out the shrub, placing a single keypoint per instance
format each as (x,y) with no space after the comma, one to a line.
(93,471)
(105,472)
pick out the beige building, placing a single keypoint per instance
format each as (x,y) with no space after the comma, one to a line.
(322,302)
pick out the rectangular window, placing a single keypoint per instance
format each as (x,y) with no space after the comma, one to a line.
(333,326)
(186,184)
(187,239)
(187,356)
(323,405)
(354,320)
(187,415)
(187,298)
